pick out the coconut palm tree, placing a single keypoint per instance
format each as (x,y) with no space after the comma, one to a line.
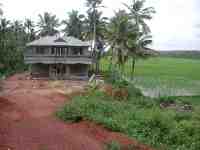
(4,27)
(140,14)
(119,31)
(94,21)
(137,49)
(74,25)
(29,28)
(93,17)
(47,24)
(100,24)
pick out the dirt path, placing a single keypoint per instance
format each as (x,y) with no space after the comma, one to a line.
(27,120)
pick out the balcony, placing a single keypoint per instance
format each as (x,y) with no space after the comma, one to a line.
(52,59)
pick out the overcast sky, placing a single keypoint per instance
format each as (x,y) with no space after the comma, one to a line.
(175,26)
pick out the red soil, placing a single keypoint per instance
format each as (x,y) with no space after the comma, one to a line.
(27,120)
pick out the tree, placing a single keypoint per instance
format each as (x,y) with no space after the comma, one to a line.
(137,49)
(100,24)
(95,23)
(74,25)
(12,45)
(29,29)
(47,24)
(4,27)
(139,14)
(120,30)
(93,13)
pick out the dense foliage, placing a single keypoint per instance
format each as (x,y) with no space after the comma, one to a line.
(13,37)
(48,24)
(140,117)
(128,34)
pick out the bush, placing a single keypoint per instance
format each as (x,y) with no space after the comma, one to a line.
(113,145)
(70,114)
(138,117)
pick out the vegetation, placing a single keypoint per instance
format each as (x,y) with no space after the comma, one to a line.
(12,43)
(48,24)
(74,25)
(128,34)
(181,54)
(113,145)
(163,76)
(141,117)
(162,122)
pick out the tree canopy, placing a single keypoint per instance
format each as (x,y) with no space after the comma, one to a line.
(74,26)
(48,24)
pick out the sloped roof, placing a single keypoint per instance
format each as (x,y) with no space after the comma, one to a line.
(58,41)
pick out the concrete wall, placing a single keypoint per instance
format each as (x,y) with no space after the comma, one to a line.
(40,70)
(78,71)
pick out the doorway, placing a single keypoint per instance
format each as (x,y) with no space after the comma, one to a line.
(57,71)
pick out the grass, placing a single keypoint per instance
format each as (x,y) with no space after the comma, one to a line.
(141,118)
(165,76)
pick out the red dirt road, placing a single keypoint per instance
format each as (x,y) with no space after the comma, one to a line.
(27,120)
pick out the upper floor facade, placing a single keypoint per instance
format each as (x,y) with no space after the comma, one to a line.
(52,49)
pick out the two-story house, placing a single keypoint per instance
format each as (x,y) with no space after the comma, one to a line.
(58,57)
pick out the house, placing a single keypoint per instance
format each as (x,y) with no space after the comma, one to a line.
(58,57)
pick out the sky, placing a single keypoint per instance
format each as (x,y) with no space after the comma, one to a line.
(175,26)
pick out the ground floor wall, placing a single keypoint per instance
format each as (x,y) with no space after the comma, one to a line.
(40,70)
(60,71)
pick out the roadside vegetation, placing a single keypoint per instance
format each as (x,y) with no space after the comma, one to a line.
(169,123)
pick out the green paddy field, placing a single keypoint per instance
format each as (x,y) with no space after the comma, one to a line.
(161,76)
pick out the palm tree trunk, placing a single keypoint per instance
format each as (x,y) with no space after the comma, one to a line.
(111,59)
(133,68)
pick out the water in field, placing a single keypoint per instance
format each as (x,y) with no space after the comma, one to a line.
(165,76)
(155,87)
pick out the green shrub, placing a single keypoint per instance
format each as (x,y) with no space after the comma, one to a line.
(138,117)
(70,114)
(113,145)
(133,91)
(167,100)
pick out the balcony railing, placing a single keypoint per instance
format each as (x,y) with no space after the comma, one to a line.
(51,59)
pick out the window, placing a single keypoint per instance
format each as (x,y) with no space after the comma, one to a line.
(81,51)
(66,51)
(53,51)
(77,51)
(59,51)
(62,51)
(40,50)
